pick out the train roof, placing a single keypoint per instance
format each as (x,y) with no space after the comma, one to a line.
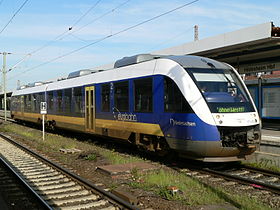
(191,61)
(129,67)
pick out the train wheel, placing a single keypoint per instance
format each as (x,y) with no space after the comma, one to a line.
(161,146)
(151,143)
(51,125)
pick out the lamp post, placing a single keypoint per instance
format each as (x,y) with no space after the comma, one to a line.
(259,75)
(4,72)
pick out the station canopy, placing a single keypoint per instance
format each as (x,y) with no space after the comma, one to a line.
(249,50)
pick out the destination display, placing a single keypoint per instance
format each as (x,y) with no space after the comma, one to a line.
(231,109)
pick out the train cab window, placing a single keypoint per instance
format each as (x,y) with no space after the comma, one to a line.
(78,105)
(143,95)
(174,101)
(50,101)
(105,98)
(59,101)
(121,98)
(68,100)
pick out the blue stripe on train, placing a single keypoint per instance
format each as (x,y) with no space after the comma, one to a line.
(186,126)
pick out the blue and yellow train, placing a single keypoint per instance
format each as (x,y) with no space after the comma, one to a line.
(194,106)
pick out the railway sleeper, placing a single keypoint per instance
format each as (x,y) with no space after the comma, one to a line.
(66,194)
(69,200)
(77,206)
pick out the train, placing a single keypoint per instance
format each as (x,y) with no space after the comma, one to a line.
(265,92)
(192,106)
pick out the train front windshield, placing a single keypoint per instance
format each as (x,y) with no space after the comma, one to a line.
(222,90)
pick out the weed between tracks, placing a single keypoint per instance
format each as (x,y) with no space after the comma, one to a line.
(54,142)
(188,191)
(265,164)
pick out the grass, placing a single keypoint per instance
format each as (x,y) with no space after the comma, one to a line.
(265,164)
(190,191)
(91,157)
(54,142)
(117,158)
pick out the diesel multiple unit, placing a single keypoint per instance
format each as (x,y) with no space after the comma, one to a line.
(194,106)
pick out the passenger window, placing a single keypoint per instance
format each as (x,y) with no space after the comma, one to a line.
(174,101)
(15,103)
(105,98)
(121,96)
(143,95)
(38,98)
(50,100)
(59,101)
(78,106)
(27,103)
(33,103)
(68,100)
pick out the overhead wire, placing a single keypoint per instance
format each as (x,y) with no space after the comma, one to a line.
(60,35)
(88,11)
(22,60)
(106,37)
(84,40)
(13,16)
(65,32)
(98,18)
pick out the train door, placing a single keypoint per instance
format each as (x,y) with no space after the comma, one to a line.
(90,109)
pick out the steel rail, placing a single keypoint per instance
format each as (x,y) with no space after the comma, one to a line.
(25,184)
(264,171)
(256,184)
(84,182)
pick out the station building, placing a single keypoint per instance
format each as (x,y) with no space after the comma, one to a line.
(255,54)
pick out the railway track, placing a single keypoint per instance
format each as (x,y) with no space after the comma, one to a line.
(54,185)
(251,176)
(257,183)
(14,194)
(255,177)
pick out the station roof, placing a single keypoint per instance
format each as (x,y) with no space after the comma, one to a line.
(253,46)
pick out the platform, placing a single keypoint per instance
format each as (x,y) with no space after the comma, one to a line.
(271,137)
(269,151)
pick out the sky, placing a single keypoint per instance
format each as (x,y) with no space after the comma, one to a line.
(42,47)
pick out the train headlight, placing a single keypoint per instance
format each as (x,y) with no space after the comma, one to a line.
(218,116)
(221,122)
